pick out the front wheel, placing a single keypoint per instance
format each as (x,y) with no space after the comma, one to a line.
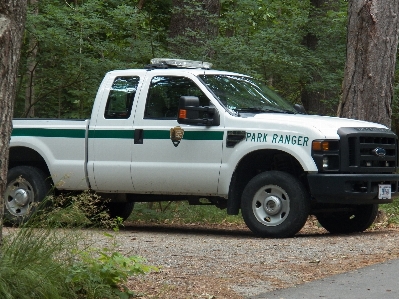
(26,187)
(352,219)
(275,204)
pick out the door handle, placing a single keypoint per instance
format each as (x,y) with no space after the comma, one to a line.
(138,136)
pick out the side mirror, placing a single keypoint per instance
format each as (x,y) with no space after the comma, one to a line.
(189,113)
(300,109)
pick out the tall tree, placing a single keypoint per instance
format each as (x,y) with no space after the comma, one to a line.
(325,40)
(31,64)
(12,23)
(372,42)
(192,24)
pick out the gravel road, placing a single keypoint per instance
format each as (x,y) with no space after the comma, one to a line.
(212,262)
(200,261)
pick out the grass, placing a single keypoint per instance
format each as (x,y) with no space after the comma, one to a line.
(44,257)
(392,211)
(28,268)
(181,212)
(46,261)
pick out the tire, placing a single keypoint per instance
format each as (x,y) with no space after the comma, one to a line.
(354,219)
(26,188)
(120,209)
(275,204)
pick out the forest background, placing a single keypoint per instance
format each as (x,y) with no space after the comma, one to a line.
(298,47)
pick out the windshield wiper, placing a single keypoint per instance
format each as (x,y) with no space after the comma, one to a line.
(263,110)
(249,109)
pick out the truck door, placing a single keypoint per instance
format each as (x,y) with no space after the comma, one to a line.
(111,136)
(160,165)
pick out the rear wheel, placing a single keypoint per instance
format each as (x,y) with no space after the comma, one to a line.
(120,209)
(27,186)
(113,204)
(275,204)
(353,219)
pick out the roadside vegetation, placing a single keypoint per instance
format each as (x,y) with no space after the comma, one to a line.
(391,212)
(183,213)
(180,212)
(48,257)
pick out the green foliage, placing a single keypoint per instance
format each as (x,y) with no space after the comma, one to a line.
(48,257)
(77,45)
(181,212)
(325,69)
(29,267)
(395,102)
(392,211)
(77,42)
(104,272)
(79,209)
(73,210)
(266,40)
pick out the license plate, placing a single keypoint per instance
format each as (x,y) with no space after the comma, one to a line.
(384,191)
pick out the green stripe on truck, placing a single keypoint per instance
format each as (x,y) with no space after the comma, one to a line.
(114,134)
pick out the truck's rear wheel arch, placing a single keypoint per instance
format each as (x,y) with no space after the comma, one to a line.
(24,156)
(254,163)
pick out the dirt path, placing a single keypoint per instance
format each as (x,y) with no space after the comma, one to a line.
(199,261)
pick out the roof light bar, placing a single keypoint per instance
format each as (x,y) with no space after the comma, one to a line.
(182,63)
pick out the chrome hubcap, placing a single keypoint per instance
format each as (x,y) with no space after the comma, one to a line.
(271,205)
(19,197)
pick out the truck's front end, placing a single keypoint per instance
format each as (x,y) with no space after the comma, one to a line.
(279,165)
(356,173)
(358,168)
(343,171)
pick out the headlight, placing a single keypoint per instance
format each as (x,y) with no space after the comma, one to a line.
(325,162)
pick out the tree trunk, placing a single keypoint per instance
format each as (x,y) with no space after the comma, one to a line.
(372,41)
(193,22)
(30,68)
(12,23)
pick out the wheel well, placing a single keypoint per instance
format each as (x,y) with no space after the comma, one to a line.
(24,156)
(255,163)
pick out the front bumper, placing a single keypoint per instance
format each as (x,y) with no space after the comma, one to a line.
(350,188)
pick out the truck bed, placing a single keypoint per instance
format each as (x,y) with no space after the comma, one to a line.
(62,144)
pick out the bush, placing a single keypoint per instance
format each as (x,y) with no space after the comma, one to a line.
(182,212)
(392,211)
(43,259)
(103,273)
(29,267)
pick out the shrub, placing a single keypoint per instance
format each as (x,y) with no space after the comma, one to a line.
(104,272)
(44,258)
(392,211)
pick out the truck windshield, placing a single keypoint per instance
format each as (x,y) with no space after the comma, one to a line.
(243,94)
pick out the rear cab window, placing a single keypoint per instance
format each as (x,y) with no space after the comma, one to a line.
(121,97)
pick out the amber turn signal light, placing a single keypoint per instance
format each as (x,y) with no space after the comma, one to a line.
(182,113)
(319,145)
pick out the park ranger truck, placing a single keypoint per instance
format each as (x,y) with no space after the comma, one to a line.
(178,130)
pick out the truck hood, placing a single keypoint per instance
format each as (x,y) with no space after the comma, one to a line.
(326,125)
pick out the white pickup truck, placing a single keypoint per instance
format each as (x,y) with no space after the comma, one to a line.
(178,130)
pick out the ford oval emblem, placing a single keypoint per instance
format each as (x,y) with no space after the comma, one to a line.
(379,152)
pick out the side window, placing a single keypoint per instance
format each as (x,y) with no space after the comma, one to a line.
(120,98)
(164,94)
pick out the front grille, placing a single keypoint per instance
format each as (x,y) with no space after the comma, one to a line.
(368,150)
